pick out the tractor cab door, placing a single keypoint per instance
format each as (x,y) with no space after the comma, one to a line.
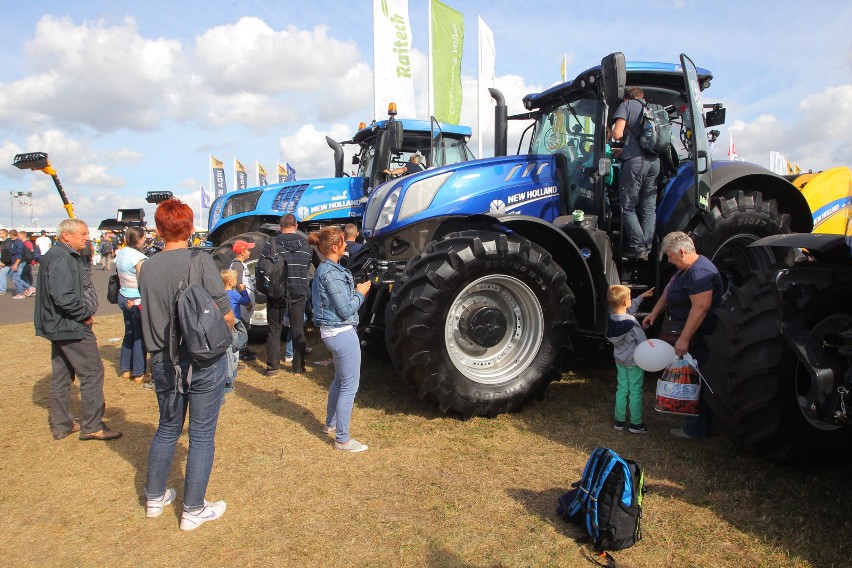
(437,155)
(697,135)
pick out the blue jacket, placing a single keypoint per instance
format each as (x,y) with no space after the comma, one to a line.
(335,299)
(18,251)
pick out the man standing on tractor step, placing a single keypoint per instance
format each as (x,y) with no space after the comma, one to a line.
(298,255)
(639,172)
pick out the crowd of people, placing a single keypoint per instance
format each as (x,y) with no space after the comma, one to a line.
(66,303)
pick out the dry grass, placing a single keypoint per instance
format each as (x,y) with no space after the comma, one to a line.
(432,490)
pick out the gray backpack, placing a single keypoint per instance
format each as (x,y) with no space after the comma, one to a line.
(198,326)
(656,135)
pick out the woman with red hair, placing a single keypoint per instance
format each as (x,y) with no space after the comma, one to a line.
(159,282)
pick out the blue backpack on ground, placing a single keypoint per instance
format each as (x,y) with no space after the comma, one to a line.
(607,501)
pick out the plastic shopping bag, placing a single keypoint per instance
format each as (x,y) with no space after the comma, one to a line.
(679,388)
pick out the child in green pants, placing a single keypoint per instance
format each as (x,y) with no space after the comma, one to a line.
(625,333)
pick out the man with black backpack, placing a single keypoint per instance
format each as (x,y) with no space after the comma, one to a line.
(640,168)
(290,247)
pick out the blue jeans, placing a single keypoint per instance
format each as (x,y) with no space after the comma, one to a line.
(132,356)
(21,285)
(346,352)
(204,399)
(4,275)
(638,195)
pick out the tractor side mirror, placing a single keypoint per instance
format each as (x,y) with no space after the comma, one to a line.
(614,77)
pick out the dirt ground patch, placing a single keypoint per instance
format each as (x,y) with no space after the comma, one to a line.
(431,491)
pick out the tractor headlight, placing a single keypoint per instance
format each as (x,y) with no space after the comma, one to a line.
(420,194)
(388,209)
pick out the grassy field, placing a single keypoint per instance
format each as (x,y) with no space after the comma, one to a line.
(431,491)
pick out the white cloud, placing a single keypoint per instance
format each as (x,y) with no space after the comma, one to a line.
(105,77)
(308,152)
(816,137)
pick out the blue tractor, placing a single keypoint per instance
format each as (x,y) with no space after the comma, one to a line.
(483,278)
(253,214)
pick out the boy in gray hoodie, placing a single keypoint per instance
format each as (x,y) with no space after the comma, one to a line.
(625,333)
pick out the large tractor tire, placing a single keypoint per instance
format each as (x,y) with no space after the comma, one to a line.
(761,390)
(477,321)
(735,220)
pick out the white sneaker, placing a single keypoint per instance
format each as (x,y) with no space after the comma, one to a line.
(351,446)
(288,359)
(154,507)
(209,512)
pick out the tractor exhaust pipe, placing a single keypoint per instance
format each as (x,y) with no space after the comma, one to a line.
(500,122)
(338,156)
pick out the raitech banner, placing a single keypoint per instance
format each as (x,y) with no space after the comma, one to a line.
(282,174)
(217,169)
(392,61)
(487,66)
(261,174)
(447,42)
(240,176)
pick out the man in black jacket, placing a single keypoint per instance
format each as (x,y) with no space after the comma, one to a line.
(65,307)
(298,254)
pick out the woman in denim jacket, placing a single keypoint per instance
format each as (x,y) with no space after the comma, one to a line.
(336,300)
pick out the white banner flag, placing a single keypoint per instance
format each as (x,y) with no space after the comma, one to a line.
(392,59)
(487,71)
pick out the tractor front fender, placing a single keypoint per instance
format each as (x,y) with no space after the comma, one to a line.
(676,213)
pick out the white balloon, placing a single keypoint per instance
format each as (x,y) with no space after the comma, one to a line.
(654,355)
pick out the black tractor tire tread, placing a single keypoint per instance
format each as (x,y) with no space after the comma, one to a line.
(749,372)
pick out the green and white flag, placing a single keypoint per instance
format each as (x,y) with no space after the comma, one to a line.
(392,59)
(446,46)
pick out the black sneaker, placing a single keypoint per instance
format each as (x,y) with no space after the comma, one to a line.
(247,355)
(618,425)
(270,373)
(638,429)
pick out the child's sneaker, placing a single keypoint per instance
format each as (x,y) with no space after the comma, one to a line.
(638,429)
(154,507)
(209,512)
(329,430)
(288,358)
(351,446)
(618,425)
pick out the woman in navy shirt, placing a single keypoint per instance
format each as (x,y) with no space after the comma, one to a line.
(690,299)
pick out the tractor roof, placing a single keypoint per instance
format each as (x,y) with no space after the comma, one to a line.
(666,76)
(413,125)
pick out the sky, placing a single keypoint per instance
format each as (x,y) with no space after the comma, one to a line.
(128,98)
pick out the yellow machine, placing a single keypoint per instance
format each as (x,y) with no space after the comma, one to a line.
(829,195)
(39,161)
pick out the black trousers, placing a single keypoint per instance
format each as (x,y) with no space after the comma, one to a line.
(274,319)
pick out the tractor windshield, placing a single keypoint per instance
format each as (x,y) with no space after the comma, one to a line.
(569,130)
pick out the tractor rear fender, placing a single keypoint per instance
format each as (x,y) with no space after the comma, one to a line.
(677,213)
(588,278)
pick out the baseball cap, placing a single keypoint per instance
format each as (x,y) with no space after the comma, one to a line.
(240,246)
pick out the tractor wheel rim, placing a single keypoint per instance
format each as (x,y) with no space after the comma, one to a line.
(510,343)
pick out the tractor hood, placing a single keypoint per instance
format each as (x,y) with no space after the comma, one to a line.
(315,200)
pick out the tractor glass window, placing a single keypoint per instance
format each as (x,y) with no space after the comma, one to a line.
(368,152)
(455,151)
(568,131)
